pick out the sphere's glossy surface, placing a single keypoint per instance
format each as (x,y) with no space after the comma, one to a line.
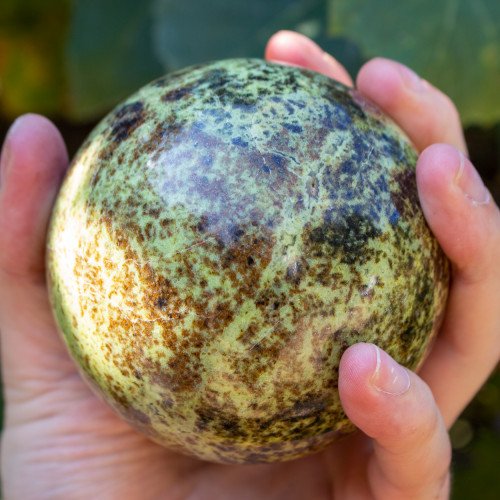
(221,238)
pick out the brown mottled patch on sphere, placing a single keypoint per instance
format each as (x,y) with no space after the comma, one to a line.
(406,197)
(222,238)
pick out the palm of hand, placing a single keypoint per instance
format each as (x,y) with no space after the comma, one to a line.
(71,431)
(71,445)
(65,436)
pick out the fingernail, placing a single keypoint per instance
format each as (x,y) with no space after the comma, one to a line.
(4,160)
(469,181)
(411,79)
(6,155)
(389,377)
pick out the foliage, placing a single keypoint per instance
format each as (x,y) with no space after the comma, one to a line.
(76,59)
(476,441)
(109,54)
(193,32)
(32,37)
(454,44)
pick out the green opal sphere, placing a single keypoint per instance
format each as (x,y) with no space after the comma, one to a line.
(221,238)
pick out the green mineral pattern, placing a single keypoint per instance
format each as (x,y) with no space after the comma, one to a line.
(221,238)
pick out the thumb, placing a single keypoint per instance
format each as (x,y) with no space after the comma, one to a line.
(411,448)
(33,162)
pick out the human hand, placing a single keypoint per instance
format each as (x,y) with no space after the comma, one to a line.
(466,222)
(60,441)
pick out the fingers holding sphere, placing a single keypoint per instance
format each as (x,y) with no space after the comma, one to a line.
(294,49)
(393,406)
(34,160)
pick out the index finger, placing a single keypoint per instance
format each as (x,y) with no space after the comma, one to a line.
(295,49)
(425,113)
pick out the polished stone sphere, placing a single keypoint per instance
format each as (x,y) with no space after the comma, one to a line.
(221,238)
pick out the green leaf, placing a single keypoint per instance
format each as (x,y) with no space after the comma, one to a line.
(193,31)
(479,478)
(344,50)
(32,36)
(452,43)
(110,54)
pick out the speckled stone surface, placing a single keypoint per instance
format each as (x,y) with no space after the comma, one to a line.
(221,238)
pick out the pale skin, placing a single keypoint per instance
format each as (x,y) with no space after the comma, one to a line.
(61,442)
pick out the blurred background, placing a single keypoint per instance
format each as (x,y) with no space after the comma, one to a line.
(75,60)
